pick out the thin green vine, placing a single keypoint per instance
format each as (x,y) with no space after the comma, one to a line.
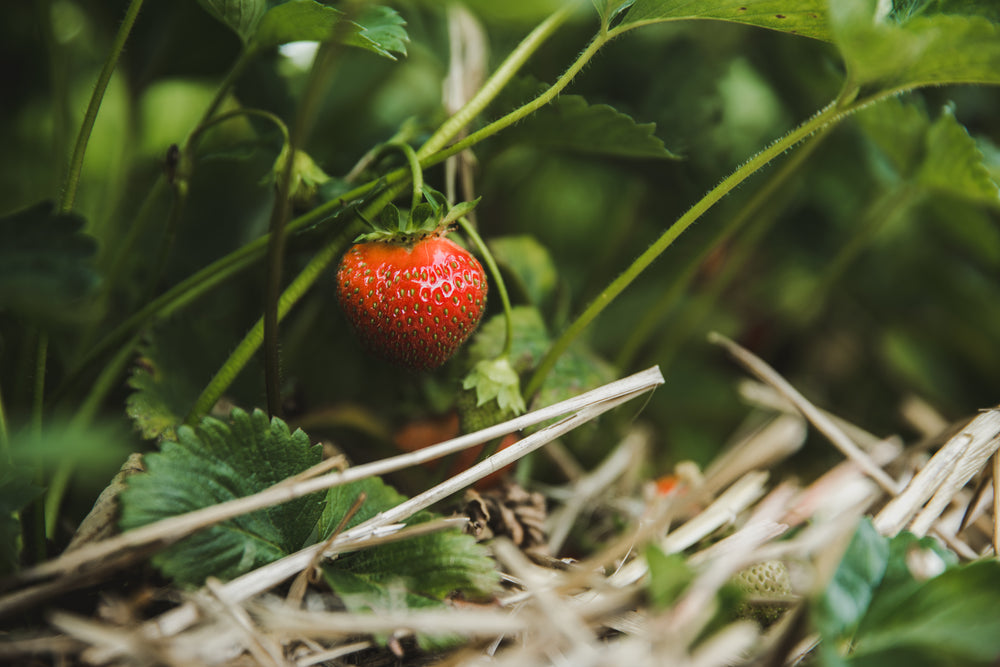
(90,116)
(318,76)
(829,115)
(296,290)
(655,314)
(494,270)
(497,81)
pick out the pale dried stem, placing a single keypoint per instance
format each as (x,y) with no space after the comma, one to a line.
(584,408)
(84,564)
(816,417)
(587,488)
(942,477)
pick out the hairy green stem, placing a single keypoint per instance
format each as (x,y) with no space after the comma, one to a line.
(220,94)
(298,287)
(492,87)
(76,162)
(652,317)
(318,75)
(827,116)
(413,164)
(497,279)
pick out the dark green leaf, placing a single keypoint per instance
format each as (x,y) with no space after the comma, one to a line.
(571,124)
(303,20)
(952,617)
(529,266)
(408,574)
(378,29)
(799,17)
(240,15)
(46,264)
(214,463)
(161,397)
(609,9)
(382,31)
(928,49)
(531,339)
(845,601)
(954,165)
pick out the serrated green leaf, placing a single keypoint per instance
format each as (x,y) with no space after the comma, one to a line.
(242,16)
(383,31)
(213,463)
(409,574)
(362,596)
(798,17)
(496,379)
(46,264)
(161,396)
(954,164)
(531,339)
(897,128)
(951,617)
(928,49)
(531,268)
(571,124)
(378,29)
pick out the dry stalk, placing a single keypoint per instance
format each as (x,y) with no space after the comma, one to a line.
(816,417)
(584,408)
(944,475)
(84,565)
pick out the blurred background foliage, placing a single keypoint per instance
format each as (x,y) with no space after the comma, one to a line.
(864,277)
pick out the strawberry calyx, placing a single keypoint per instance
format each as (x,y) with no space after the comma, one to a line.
(434,216)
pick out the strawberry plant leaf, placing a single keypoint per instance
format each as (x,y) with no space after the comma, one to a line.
(954,164)
(160,397)
(213,463)
(948,619)
(608,10)
(528,265)
(242,16)
(801,17)
(378,29)
(382,31)
(571,124)
(898,52)
(409,574)
(46,264)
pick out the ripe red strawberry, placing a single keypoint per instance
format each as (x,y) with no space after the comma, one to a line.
(412,303)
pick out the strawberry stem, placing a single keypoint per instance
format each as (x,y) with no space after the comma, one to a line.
(491,264)
(416,173)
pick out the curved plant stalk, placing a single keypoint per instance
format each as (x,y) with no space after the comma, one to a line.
(654,315)
(500,78)
(494,270)
(412,163)
(318,75)
(76,162)
(180,190)
(829,115)
(296,290)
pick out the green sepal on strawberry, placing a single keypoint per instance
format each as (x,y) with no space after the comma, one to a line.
(411,295)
